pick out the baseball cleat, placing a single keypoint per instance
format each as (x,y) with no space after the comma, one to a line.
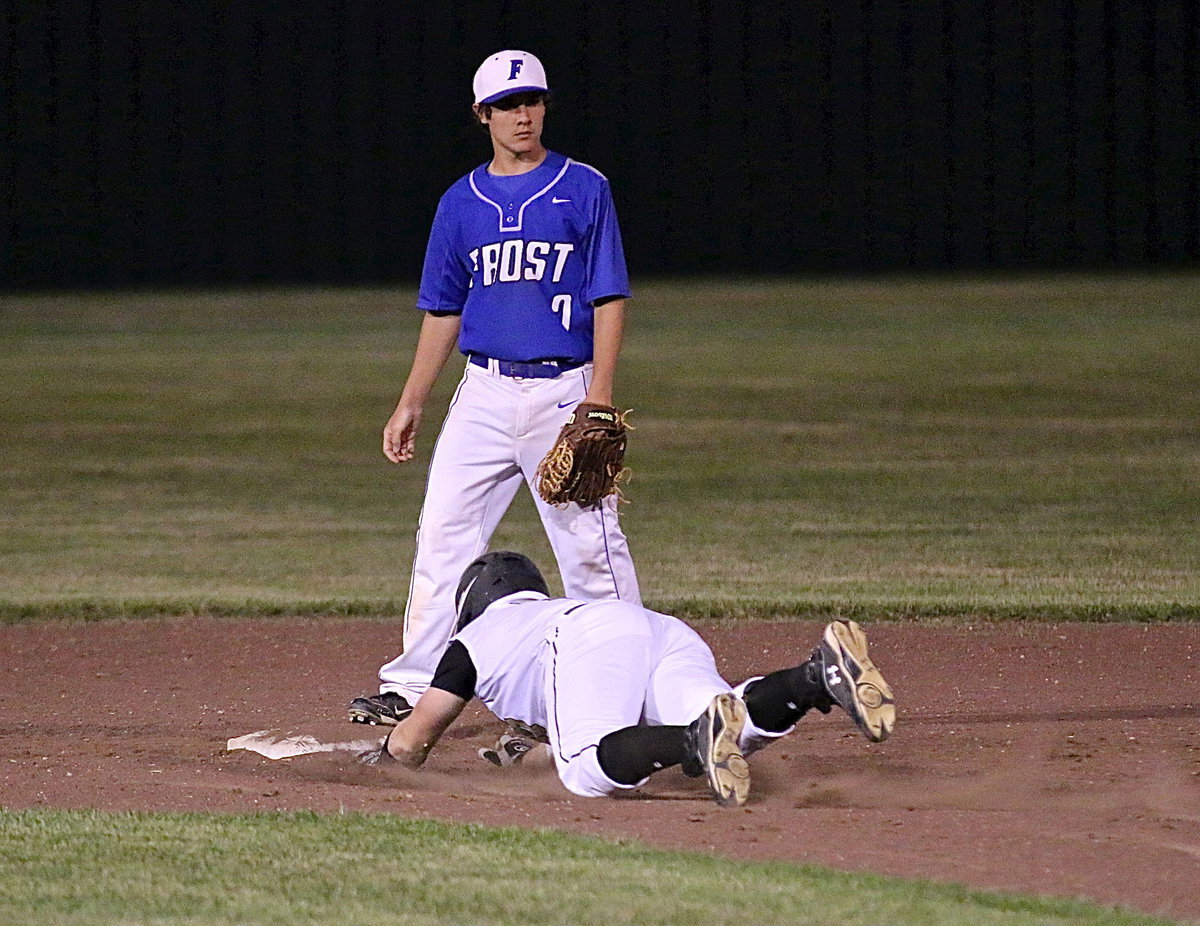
(388,709)
(853,681)
(712,748)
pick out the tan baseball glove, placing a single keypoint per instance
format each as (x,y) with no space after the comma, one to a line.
(585,463)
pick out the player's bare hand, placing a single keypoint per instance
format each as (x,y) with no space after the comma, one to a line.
(400,434)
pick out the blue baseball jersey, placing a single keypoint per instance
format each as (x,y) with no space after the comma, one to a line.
(524,259)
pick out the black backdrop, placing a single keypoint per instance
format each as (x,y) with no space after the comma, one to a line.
(193,142)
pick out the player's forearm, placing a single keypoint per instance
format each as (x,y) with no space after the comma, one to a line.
(609,335)
(406,755)
(411,740)
(439,334)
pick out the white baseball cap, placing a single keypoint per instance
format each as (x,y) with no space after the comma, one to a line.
(508,72)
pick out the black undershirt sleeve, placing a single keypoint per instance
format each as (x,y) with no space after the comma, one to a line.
(455,672)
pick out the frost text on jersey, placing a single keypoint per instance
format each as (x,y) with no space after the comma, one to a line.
(515,259)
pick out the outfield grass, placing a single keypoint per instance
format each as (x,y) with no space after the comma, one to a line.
(1005,447)
(59,867)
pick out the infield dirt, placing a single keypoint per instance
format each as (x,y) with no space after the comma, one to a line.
(1056,759)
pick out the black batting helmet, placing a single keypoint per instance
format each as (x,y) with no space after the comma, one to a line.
(492,577)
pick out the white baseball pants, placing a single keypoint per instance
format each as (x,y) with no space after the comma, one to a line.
(496,432)
(613,666)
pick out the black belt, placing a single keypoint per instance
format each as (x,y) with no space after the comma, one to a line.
(536,369)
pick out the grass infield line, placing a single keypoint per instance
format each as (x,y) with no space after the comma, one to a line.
(707,610)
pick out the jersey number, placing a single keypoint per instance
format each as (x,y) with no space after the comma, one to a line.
(562,305)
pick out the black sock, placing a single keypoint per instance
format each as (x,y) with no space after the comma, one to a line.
(629,755)
(778,700)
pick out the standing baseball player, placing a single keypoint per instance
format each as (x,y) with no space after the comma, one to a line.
(525,272)
(623,691)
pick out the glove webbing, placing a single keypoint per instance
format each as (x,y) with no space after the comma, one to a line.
(590,463)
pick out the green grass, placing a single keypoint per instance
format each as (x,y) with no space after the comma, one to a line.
(1015,447)
(60,867)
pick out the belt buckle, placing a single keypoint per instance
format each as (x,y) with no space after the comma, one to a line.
(536,369)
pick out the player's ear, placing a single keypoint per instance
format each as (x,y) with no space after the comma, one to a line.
(482,112)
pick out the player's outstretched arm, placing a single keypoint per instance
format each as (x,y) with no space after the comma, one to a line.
(411,739)
(439,333)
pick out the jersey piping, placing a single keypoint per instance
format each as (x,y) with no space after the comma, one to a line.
(521,211)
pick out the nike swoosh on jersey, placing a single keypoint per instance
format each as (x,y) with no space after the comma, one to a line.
(556,200)
(570,402)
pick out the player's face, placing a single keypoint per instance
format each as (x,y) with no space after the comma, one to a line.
(515,123)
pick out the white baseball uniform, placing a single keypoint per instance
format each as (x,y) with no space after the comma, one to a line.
(584,669)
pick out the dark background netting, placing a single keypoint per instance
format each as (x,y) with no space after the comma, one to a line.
(185,143)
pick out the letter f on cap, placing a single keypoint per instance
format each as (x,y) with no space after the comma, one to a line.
(506,72)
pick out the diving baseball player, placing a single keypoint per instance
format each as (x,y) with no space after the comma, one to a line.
(525,272)
(623,691)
